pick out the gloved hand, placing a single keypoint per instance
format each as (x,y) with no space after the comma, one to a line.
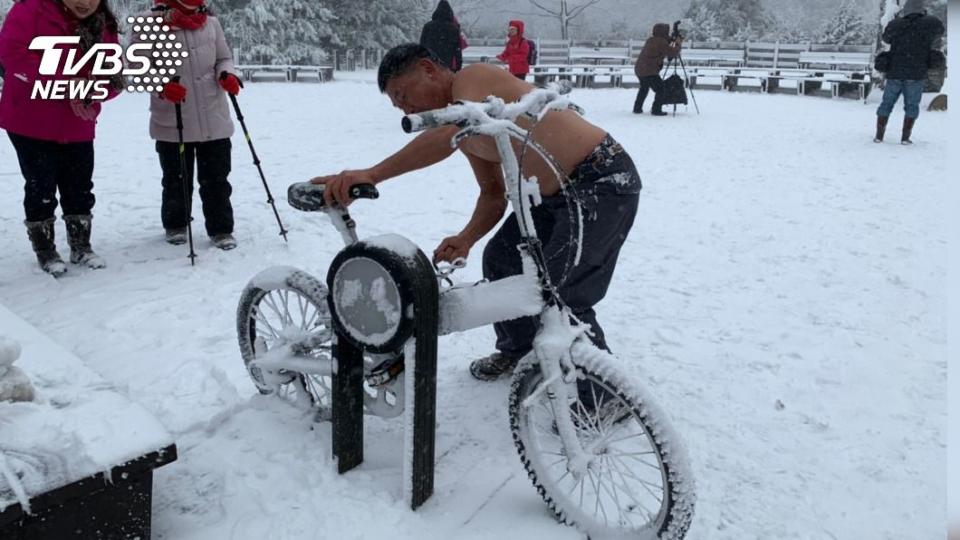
(231,83)
(174,92)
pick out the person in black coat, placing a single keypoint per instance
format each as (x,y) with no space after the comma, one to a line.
(912,36)
(442,36)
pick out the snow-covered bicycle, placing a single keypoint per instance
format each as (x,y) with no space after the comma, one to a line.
(599,451)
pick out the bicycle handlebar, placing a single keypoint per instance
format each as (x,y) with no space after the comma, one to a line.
(308,197)
(464,114)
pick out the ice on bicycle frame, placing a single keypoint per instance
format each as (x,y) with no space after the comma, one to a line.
(416,281)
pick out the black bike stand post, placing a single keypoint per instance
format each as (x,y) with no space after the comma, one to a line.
(423,403)
(347,398)
(414,337)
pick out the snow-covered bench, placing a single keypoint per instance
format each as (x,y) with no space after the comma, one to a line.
(77,460)
(600,55)
(582,75)
(481,54)
(250,71)
(713,57)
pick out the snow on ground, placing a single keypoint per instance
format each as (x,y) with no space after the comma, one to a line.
(782,294)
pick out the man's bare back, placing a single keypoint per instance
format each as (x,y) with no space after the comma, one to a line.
(563,134)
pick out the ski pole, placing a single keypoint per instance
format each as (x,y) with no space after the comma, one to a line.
(181,148)
(256,161)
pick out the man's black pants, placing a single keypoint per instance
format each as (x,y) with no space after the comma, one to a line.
(607,186)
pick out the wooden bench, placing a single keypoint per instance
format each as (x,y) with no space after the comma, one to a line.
(600,55)
(77,462)
(582,75)
(290,73)
(475,54)
(731,79)
(713,57)
(845,62)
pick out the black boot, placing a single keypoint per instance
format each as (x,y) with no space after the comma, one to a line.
(881,128)
(42,238)
(78,235)
(907,130)
(491,368)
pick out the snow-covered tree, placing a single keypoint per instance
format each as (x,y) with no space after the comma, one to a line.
(846,27)
(739,20)
(380,24)
(280,31)
(704,21)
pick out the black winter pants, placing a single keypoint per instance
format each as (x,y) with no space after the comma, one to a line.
(655,83)
(607,186)
(49,166)
(213,167)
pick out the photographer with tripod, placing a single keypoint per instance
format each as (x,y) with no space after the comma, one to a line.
(659,47)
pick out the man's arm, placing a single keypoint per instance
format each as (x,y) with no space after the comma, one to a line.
(491,205)
(430,147)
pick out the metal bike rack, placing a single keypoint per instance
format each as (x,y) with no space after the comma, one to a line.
(416,286)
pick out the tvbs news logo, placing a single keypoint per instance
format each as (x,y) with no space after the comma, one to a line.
(149,63)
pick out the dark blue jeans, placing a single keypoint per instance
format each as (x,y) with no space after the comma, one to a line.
(912,92)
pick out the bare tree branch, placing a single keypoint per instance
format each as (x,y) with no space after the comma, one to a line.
(544,8)
(575,12)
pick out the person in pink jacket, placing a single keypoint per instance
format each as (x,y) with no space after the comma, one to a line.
(516,52)
(54,138)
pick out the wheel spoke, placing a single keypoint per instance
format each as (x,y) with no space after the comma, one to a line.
(262,319)
(629,492)
(272,304)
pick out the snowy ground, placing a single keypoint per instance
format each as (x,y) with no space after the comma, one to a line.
(782,294)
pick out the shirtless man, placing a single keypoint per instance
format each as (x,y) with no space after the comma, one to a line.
(600,173)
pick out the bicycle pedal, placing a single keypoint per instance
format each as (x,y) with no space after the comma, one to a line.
(386,372)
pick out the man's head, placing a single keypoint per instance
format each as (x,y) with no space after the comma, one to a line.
(414,78)
(913,6)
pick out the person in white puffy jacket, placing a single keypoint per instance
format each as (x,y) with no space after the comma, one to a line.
(204,78)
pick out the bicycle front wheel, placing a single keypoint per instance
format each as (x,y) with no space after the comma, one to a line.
(637,482)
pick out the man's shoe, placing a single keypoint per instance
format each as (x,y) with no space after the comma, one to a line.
(658,113)
(225,242)
(491,368)
(177,237)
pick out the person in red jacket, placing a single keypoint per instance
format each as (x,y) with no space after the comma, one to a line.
(516,52)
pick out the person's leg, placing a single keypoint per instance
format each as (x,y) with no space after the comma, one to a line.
(213,170)
(501,259)
(75,178)
(657,84)
(912,94)
(891,93)
(641,95)
(75,181)
(173,206)
(38,165)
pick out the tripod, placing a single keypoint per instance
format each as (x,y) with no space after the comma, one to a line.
(686,79)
